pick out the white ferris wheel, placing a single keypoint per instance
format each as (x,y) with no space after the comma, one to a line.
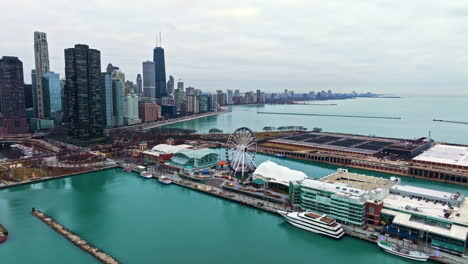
(241,148)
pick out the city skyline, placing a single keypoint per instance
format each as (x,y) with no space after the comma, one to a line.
(400,47)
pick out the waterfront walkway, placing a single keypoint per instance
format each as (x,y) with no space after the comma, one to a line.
(75,239)
(148,126)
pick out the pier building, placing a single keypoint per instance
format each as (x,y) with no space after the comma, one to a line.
(420,214)
(356,144)
(350,198)
(194,158)
(162,152)
(445,155)
(276,176)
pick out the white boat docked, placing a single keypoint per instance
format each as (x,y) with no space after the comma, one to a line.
(165,180)
(405,253)
(146,174)
(320,224)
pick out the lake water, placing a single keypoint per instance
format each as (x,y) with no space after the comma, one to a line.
(141,221)
(416,112)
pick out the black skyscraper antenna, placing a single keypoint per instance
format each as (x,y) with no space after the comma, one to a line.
(160,40)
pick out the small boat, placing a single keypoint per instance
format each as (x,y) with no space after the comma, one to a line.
(165,180)
(3,234)
(146,174)
(316,223)
(405,253)
(280,156)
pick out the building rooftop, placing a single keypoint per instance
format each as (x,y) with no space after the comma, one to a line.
(428,192)
(272,172)
(427,208)
(196,153)
(453,231)
(166,149)
(358,181)
(445,154)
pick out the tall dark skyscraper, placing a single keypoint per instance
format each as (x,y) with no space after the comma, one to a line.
(159,72)
(12,107)
(84,94)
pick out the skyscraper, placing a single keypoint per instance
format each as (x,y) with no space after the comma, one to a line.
(159,72)
(117,103)
(170,85)
(111,68)
(41,55)
(12,111)
(52,97)
(149,84)
(139,85)
(84,95)
(108,109)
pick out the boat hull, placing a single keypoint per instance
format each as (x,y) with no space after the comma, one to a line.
(338,234)
(165,180)
(403,255)
(3,238)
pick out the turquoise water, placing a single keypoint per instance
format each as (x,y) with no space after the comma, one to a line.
(416,112)
(141,221)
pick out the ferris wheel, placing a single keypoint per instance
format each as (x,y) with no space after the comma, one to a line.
(241,148)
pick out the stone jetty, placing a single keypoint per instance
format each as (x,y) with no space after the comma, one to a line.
(75,239)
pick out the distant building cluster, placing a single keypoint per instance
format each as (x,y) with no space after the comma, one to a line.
(87,101)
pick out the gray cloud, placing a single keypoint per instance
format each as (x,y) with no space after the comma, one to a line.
(375,45)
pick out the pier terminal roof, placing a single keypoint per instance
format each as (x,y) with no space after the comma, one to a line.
(358,181)
(453,231)
(272,172)
(427,208)
(445,154)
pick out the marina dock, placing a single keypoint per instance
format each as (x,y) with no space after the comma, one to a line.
(75,239)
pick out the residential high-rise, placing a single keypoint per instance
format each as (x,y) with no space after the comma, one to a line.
(149,111)
(28,97)
(258,96)
(149,83)
(12,111)
(170,85)
(159,72)
(52,96)
(111,68)
(130,106)
(84,95)
(180,85)
(108,109)
(179,98)
(117,103)
(193,105)
(229,97)
(139,85)
(41,55)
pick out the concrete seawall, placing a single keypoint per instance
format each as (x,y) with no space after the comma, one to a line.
(75,239)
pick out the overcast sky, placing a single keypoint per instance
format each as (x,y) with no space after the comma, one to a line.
(392,46)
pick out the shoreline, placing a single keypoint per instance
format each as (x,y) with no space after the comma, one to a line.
(50,178)
(182,119)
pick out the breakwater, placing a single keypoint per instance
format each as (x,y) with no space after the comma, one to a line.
(75,239)
(330,115)
(450,121)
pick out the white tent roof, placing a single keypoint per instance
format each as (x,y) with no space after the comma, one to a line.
(272,172)
(166,149)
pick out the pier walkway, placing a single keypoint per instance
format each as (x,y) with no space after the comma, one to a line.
(75,239)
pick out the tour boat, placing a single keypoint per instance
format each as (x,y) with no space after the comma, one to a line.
(320,224)
(146,174)
(165,180)
(405,253)
(3,234)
